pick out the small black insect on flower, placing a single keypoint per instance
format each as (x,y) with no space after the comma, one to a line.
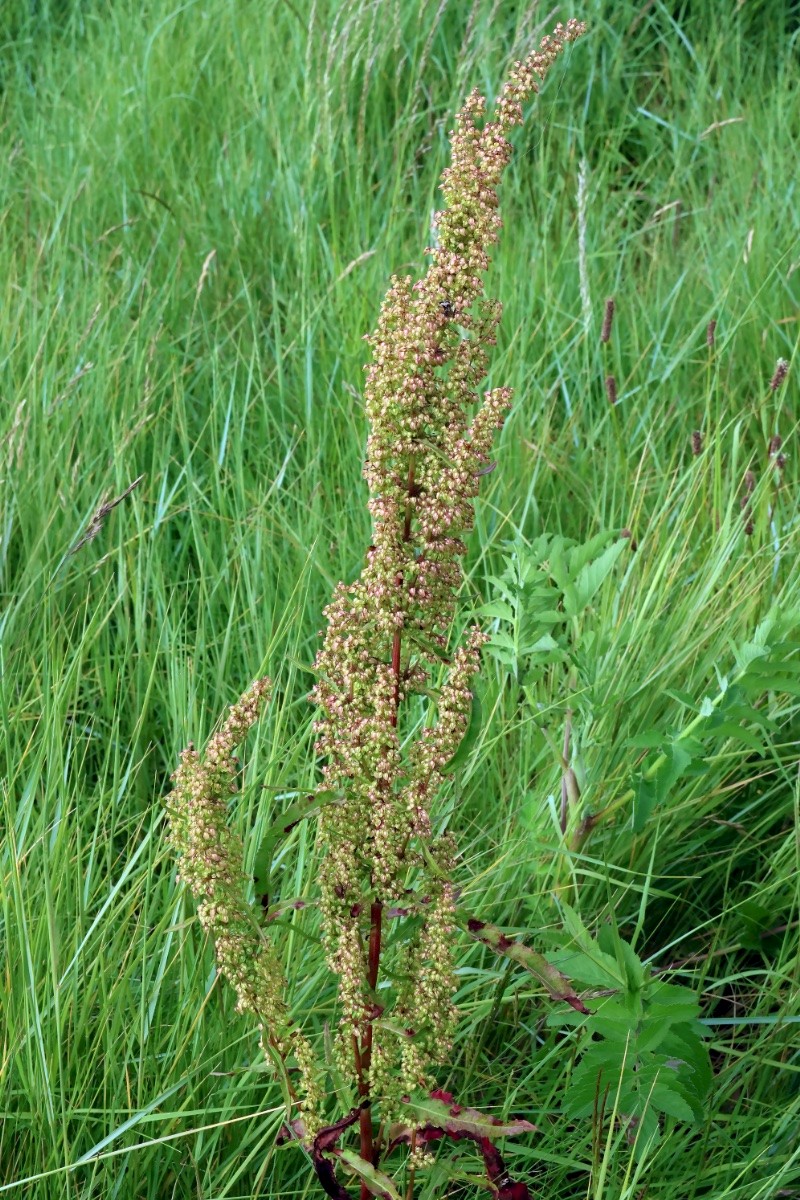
(448,308)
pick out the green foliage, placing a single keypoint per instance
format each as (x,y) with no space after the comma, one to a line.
(376,1181)
(288,138)
(551,642)
(643,1053)
(307,806)
(769,664)
(544,593)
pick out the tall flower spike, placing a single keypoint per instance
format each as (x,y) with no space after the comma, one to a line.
(388,633)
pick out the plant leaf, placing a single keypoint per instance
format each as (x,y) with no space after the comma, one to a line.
(605,970)
(592,576)
(557,984)
(469,739)
(497,608)
(262,866)
(376,1182)
(455,1120)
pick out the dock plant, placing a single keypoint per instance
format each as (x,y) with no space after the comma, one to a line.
(394,699)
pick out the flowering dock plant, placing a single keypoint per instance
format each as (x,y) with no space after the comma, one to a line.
(394,697)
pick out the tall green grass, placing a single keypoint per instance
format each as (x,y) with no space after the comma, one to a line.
(200,206)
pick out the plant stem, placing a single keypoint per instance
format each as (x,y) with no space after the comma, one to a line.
(363,1053)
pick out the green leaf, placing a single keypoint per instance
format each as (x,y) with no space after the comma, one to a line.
(612,1019)
(582,555)
(650,739)
(604,969)
(455,1119)
(774,681)
(756,920)
(506,657)
(545,616)
(683,1044)
(667,1100)
(543,645)
(632,965)
(658,781)
(376,1182)
(600,1067)
(503,641)
(738,733)
(469,739)
(677,759)
(557,984)
(592,576)
(592,969)
(499,609)
(645,799)
(502,586)
(556,563)
(262,866)
(672,1003)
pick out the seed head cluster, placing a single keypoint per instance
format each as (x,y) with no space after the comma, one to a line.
(394,686)
(387,651)
(211,866)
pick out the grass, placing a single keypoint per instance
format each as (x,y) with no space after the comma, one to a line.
(200,209)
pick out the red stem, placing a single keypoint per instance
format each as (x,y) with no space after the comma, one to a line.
(363,1053)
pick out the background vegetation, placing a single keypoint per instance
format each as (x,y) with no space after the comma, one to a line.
(200,206)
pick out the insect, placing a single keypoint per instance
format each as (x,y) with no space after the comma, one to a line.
(448,308)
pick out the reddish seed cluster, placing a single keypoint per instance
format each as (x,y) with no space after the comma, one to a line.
(779,374)
(608,320)
(388,641)
(388,633)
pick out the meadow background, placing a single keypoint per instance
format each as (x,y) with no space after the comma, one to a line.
(200,207)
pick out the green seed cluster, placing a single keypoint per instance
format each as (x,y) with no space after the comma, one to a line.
(211,866)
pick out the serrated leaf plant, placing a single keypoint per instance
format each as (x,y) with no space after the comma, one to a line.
(560,655)
(642,1053)
(394,704)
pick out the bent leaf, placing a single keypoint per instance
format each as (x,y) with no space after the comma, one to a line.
(469,739)
(556,984)
(456,1121)
(376,1182)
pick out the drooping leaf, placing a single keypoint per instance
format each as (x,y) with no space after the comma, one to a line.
(444,1114)
(437,1116)
(557,984)
(375,1181)
(262,866)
